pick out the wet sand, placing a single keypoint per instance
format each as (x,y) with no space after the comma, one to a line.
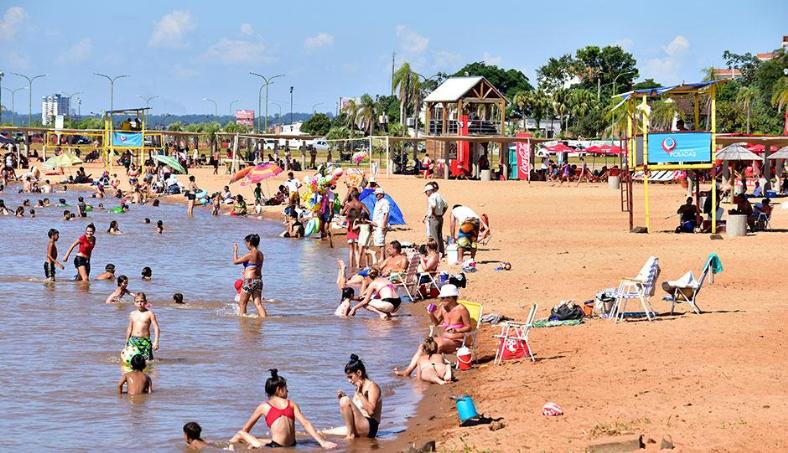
(712,382)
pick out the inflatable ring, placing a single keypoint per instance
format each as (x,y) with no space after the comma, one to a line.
(201,194)
(507,266)
(88,208)
(312,227)
(117,210)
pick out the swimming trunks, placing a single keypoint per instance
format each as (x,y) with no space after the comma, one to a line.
(144,345)
(274,413)
(82,261)
(253,286)
(373,427)
(49,270)
(190,196)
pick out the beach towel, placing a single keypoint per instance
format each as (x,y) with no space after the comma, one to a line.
(548,323)
(715,262)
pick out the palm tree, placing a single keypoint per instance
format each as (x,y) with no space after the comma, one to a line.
(580,101)
(744,101)
(405,81)
(366,114)
(709,74)
(617,116)
(780,93)
(350,109)
(561,105)
(663,113)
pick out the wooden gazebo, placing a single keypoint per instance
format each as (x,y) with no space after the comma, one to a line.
(456,97)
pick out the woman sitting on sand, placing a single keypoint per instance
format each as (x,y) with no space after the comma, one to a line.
(280,415)
(430,365)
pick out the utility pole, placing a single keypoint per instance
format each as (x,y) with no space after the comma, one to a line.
(291,109)
(231,105)
(215,106)
(266,81)
(314,107)
(147,99)
(393,54)
(1,96)
(111,87)
(30,95)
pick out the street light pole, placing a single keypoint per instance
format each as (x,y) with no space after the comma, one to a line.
(280,109)
(2,74)
(314,106)
(30,95)
(13,99)
(111,87)
(147,99)
(231,105)
(266,81)
(215,106)
(616,78)
(291,109)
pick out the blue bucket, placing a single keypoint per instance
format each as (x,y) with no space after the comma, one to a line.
(465,408)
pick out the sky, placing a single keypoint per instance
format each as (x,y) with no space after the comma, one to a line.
(185,51)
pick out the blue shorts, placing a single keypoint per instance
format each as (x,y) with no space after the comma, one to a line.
(364,272)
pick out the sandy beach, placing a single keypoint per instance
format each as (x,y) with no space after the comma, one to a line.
(709,382)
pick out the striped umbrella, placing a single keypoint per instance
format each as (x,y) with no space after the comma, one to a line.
(260,172)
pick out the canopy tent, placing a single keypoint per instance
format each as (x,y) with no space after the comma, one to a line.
(395,214)
(608,150)
(782,153)
(559,148)
(684,88)
(736,152)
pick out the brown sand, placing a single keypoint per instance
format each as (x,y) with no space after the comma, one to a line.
(712,382)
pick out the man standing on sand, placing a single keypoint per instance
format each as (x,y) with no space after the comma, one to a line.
(293,185)
(380,221)
(138,331)
(436,208)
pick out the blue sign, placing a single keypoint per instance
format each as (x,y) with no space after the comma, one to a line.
(127,139)
(679,147)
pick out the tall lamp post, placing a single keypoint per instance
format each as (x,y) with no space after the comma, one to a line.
(231,105)
(616,78)
(111,87)
(266,81)
(147,99)
(280,110)
(13,99)
(215,106)
(2,74)
(314,107)
(291,109)
(30,94)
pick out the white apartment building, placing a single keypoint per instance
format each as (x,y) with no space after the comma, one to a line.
(52,106)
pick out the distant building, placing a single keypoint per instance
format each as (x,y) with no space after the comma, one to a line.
(52,106)
(244,117)
(766,56)
(725,73)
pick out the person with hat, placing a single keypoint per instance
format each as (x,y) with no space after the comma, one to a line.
(761,213)
(436,209)
(380,221)
(453,321)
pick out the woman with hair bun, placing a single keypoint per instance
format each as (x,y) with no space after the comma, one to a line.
(280,415)
(253,274)
(363,412)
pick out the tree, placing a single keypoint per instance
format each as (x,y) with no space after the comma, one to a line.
(535,104)
(744,102)
(367,114)
(646,84)
(580,102)
(780,94)
(406,83)
(746,63)
(555,73)
(318,124)
(663,113)
(508,82)
(561,105)
(350,110)
(233,127)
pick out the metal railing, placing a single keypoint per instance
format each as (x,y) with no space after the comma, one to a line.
(475,127)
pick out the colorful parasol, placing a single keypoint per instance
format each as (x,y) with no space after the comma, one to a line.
(261,172)
(62,161)
(170,162)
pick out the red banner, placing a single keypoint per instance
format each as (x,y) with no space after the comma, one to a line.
(523,158)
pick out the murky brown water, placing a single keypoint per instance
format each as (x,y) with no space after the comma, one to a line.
(60,344)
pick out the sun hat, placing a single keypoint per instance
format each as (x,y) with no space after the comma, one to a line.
(429,187)
(379,191)
(449,291)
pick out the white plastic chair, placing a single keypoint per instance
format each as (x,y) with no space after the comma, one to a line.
(517,332)
(640,287)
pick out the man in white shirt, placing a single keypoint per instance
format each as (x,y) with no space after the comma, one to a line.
(380,221)
(293,185)
(467,224)
(436,208)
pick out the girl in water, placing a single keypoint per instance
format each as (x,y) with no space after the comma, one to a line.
(361,414)
(253,274)
(191,196)
(280,415)
(86,243)
(113,228)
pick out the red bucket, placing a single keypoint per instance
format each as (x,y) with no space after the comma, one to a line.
(464,359)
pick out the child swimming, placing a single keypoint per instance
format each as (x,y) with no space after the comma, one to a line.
(136,380)
(120,292)
(147,273)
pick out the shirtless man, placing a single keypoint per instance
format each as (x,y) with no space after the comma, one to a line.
(51,259)
(138,332)
(136,380)
(395,261)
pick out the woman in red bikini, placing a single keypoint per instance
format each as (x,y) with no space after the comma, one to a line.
(280,415)
(86,243)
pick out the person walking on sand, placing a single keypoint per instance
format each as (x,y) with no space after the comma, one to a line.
(436,209)
(253,274)
(136,380)
(86,243)
(138,331)
(363,412)
(280,415)
(380,221)
(51,258)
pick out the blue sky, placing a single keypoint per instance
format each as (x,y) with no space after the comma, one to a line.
(185,51)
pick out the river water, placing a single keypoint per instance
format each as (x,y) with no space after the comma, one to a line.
(60,343)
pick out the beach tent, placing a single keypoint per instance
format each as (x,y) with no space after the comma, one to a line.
(736,152)
(395,214)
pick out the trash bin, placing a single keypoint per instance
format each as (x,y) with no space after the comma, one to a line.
(614,182)
(736,225)
(484,175)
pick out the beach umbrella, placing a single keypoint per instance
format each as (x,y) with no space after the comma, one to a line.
(781,154)
(6,141)
(62,161)
(240,174)
(261,172)
(170,162)
(736,152)
(560,148)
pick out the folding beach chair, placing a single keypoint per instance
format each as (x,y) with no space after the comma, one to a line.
(410,281)
(428,278)
(686,288)
(475,310)
(514,333)
(640,287)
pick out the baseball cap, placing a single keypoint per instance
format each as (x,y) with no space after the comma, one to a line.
(379,191)
(429,187)
(449,291)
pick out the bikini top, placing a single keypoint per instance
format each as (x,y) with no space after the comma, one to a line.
(248,264)
(274,413)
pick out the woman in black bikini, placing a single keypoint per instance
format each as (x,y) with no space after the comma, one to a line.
(191,196)
(280,415)
(361,414)
(253,274)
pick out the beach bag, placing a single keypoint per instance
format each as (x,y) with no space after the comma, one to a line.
(512,349)
(565,311)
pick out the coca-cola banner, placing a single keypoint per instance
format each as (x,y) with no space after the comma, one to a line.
(523,158)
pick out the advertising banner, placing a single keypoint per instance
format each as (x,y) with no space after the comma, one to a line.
(679,148)
(523,158)
(127,139)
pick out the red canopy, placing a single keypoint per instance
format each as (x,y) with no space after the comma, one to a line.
(560,148)
(610,150)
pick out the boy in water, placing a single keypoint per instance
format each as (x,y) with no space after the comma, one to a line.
(191,434)
(136,380)
(147,273)
(82,207)
(108,274)
(160,227)
(138,332)
(66,215)
(178,298)
(51,259)
(121,291)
